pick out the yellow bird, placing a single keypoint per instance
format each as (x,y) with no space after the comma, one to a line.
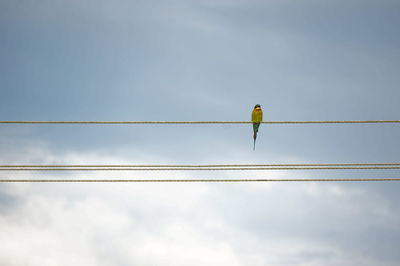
(256,118)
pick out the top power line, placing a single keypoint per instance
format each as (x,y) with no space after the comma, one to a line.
(203,122)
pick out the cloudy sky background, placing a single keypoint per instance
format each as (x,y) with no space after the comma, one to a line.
(199,60)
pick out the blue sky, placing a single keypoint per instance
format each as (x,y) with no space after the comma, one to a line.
(200,60)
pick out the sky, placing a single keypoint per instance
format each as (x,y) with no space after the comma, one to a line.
(188,60)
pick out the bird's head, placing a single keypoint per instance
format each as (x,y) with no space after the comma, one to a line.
(257,106)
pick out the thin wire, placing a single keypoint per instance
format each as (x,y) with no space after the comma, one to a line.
(193,166)
(198,169)
(194,180)
(203,122)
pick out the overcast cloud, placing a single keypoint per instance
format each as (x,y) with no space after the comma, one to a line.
(199,60)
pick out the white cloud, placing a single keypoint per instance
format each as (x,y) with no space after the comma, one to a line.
(188,224)
(53,231)
(197,59)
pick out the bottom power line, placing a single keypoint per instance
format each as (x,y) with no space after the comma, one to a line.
(195,180)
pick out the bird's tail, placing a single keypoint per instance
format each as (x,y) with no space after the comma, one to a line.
(255,129)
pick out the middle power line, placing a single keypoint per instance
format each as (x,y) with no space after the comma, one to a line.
(205,167)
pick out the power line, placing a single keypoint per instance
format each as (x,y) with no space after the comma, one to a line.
(196,169)
(192,165)
(202,122)
(196,180)
(204,167)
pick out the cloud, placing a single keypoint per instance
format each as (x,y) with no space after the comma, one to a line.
(198,60)
(53,231)
(192,224)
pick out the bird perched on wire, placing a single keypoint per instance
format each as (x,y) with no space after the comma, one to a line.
(256,118)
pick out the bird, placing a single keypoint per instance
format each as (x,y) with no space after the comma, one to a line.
(256,118)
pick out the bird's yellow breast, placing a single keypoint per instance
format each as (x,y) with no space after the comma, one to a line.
(256,115)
